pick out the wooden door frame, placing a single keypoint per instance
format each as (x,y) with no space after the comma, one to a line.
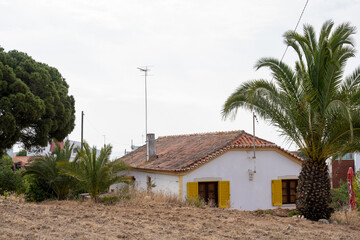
(207,191)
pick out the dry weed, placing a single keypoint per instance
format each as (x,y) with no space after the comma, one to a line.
(351,218)
(156,216)
(13,197)
(144,197)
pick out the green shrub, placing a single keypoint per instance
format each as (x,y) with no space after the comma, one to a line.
(10,181)
(197,202)
(76,190)
(259,212)
(46,169)
(340,196)
(357,189)
(293,213)
(269,212)
(37,190)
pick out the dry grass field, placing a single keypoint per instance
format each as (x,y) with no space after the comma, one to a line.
(158,217)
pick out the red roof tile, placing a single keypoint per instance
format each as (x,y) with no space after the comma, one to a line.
(25,160)
(184,152)
(53,146)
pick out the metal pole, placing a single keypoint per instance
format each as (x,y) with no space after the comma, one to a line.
(146,70)
(254,132)
(82,129)
(146,141)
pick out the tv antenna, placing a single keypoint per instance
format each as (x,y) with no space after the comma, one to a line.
(145,70)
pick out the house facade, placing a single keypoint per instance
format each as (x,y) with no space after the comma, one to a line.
(221,168)
(339,168)
(35,152)
(357,161)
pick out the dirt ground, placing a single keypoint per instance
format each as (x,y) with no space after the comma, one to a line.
(151,219)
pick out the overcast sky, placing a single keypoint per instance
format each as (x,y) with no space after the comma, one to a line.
(199,51)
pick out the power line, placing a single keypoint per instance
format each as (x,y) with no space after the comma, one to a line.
(94,128)
(297,24)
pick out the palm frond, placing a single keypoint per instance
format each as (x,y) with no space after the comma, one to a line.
(94,170)
(311,105)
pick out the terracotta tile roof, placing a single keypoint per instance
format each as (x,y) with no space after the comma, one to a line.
(184,152)
(25,160)
(53,145)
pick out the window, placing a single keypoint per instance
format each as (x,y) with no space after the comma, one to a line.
(289,191)
(208,191)
(283,191)
(347,156)
(214,193)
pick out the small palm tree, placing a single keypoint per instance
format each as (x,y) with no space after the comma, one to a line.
(312,105)
(95,171)
(46,169)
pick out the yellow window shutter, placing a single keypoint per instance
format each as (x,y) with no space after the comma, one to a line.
(192,190)
(276,190)
(224,194)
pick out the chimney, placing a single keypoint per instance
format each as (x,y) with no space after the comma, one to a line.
(150,147)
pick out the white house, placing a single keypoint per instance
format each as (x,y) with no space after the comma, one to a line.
(357,161)
(218,167)
(50,147)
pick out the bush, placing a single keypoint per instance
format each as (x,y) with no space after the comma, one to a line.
(293,213)
(46,169)
(197,202)
(76,190)
(10,181)
(269,212)
(37,190)
(357,189)
(340,196)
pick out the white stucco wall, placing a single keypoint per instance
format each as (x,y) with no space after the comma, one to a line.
(168,184)
(233,166)
(357,161)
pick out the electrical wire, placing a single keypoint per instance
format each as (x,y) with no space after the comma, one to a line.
(297,24)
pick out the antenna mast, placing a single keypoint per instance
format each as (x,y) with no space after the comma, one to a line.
(145,70)
(82,130)
(254,157)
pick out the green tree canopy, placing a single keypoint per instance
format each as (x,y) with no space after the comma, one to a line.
(22,153)
(313,105)
(34,103)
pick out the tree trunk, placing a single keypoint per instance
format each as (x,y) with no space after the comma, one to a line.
(313,193)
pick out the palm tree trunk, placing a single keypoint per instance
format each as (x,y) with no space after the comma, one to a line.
(313,193)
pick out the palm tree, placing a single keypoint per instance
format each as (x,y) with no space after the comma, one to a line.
(313,105)
(46,169)
(95,171)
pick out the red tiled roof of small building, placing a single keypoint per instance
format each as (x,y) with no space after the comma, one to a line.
(181,153)
(25,160)
(53,146)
